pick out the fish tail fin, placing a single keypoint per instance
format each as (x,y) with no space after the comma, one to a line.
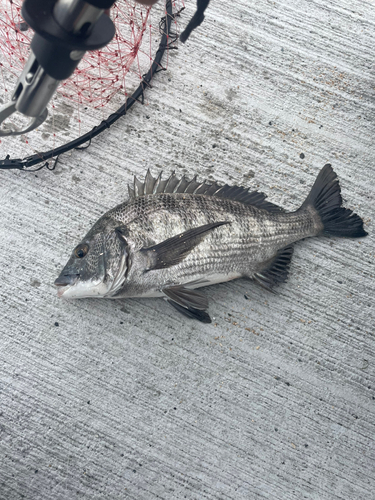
(325,198)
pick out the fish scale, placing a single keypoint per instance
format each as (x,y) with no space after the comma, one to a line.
(179,210)
(175,235)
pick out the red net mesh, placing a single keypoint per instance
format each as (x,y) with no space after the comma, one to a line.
(99,86)
(101,74)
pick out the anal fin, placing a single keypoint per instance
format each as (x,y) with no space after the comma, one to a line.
(275,270)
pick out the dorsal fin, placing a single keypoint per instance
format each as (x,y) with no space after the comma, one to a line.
(173,184)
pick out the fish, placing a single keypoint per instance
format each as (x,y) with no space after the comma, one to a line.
(175,235)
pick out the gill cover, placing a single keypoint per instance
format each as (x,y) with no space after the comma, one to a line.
(119,277)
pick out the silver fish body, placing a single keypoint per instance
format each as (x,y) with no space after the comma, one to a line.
(173,236)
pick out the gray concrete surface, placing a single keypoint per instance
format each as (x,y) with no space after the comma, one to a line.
(274,399)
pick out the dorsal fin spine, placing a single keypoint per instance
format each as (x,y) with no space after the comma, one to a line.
(173,184)
(157,183)
(149,183)
(181,186)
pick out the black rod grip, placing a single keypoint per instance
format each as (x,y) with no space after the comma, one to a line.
(56,60)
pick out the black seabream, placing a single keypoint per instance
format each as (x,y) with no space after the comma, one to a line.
(175,235)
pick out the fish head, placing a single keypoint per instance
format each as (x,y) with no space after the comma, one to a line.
(97,266)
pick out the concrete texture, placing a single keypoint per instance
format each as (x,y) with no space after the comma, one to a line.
(274,399)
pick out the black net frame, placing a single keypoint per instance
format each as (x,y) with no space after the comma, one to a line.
(167,42)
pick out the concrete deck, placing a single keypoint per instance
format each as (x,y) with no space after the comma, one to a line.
(274,399)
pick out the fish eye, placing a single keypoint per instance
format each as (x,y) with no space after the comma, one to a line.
(81,250)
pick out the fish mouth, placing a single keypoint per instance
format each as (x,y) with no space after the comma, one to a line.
(64,282)
(62,289)
(80,289)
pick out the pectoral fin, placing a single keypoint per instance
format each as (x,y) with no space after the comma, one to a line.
(191,303)
(173,250)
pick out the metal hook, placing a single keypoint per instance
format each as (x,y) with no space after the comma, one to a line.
(10,108)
